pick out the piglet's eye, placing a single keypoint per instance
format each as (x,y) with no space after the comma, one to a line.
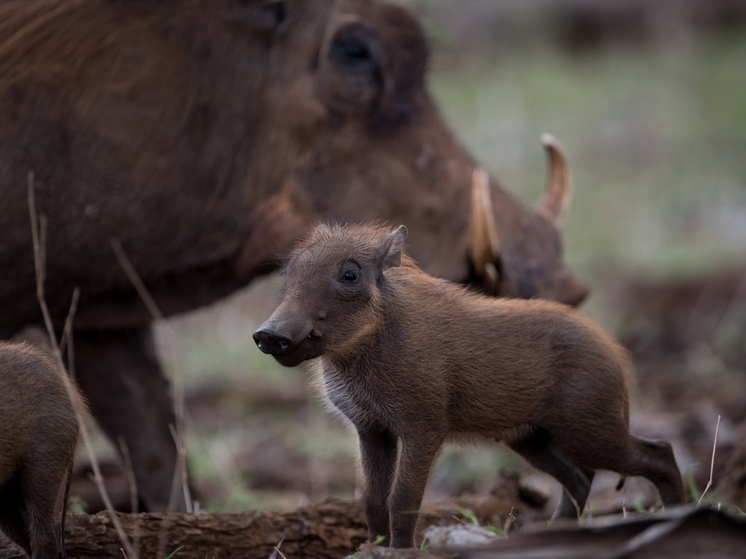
(351,276)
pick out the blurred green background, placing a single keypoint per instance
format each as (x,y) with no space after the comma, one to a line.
(653,119)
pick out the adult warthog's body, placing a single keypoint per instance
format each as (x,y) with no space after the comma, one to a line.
(413,361)
(206,136)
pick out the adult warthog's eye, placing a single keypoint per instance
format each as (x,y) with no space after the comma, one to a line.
(350,71)
(351,51)
(351,276)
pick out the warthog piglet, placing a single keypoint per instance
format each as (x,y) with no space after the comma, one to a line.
(38,435)
(411,358)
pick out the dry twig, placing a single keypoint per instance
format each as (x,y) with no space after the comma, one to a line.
(157,315)
(67,334)
(132,482)
(712,462)
(514,520)
(180,471)
(276,551)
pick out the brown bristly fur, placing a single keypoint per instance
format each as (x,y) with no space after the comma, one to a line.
(411,359)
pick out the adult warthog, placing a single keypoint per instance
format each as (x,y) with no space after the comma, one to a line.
(206,136)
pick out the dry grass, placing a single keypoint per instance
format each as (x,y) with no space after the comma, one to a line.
(712,463)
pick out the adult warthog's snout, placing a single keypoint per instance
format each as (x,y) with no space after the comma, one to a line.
(573,293)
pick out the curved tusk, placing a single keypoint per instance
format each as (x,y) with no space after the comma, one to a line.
(555,202)
(483,241)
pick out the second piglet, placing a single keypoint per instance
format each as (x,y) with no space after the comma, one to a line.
(38,435)
(413,359)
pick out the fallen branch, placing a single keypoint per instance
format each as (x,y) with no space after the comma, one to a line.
(331,529)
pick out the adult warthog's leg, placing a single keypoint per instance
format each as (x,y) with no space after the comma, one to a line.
(119,373)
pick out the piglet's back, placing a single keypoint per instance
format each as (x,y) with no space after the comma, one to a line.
(513,354)
(33,398)
(454,317)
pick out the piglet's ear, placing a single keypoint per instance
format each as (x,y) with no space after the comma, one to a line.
(390,249)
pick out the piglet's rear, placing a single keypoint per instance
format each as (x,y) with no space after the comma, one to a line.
(408,357)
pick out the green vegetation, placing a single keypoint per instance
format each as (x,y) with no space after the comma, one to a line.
(424,544)
(471,517)
(691,484)
(638,507)
(174,552)
(379,539)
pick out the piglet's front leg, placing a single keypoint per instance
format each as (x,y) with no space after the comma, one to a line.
(378,456)
(415,460)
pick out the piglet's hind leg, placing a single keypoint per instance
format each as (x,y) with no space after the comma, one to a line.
(538,451)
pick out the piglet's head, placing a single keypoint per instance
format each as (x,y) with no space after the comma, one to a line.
(333,293)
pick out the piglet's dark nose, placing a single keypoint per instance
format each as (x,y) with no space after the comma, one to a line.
(271,342)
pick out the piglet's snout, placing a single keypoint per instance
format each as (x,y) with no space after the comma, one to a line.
(284,331)
(272,343)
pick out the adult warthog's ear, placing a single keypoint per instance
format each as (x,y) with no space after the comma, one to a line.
(390,249)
